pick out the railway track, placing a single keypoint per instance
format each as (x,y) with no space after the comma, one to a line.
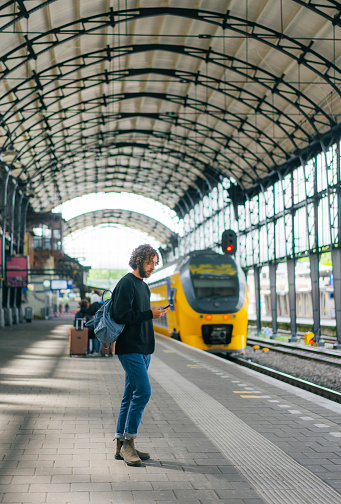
(297,382)
(326,356)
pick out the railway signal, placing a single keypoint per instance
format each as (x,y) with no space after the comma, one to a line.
(229,242)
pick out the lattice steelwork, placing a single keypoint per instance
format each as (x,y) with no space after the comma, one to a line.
(224,111)
(163,100)
(124,218)
(298,215)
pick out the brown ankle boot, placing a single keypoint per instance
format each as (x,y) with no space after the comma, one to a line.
(129,454)
(142,455)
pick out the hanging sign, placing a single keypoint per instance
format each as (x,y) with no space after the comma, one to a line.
(16,271)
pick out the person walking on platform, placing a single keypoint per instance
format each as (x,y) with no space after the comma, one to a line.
(134,346)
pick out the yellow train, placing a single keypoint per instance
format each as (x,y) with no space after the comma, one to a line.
(208,298)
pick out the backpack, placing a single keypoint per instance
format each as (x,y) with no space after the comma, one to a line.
(81,315)
(105,328)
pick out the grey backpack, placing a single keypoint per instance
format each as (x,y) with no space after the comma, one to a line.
(105,328)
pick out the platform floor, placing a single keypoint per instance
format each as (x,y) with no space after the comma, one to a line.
(217,433)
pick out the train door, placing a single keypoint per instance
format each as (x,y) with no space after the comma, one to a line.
(173,312)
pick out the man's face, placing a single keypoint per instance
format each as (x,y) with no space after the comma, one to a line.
(147,268)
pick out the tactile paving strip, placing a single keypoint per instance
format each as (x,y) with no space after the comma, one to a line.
(275,475)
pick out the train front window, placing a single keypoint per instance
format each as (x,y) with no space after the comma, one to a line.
(209,287)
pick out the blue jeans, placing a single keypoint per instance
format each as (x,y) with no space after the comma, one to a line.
(136,394)
(96,345)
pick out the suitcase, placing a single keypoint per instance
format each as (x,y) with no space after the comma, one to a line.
(78,339)
(108,349)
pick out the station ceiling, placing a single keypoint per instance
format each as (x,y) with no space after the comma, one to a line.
(163,98)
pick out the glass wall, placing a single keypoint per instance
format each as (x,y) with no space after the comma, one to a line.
(297,215)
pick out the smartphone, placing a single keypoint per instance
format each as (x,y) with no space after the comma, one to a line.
(164,307)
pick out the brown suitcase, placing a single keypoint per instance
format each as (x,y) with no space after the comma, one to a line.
(78,339)
(108,349)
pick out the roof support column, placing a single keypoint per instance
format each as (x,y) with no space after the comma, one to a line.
(312,202)
(315,294)
(256,271)
(14,194)
(13,290)
(22,225)
(291,263)
(6,314)
(3,209)
(18,216)
(273,298)
(336,257)
(21,229)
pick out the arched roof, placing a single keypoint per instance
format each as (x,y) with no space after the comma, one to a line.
(163,101)
(126,218)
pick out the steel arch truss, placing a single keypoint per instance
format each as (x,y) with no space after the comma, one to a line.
(112,97)
(126,218)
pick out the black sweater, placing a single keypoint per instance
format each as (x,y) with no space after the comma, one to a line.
(131,306)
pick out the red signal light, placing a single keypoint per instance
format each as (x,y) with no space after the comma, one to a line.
(229,242)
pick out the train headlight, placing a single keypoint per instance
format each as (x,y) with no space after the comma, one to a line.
(226,317)
(208,317)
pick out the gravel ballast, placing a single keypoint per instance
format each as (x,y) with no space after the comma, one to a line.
(322,374)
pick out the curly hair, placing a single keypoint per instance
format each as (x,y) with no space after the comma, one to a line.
(140,254)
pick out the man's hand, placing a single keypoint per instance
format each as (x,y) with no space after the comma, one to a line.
(158,311)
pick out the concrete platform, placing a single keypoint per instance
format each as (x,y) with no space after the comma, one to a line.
(217,433)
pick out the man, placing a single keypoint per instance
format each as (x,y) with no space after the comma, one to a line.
(131,306)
